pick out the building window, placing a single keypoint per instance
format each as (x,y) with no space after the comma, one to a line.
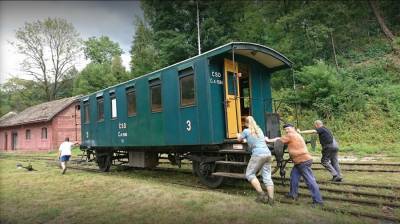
(113,105)
(131,101)
(86,114)
(100,108)
(186,84)
(155,95)
(44,133)
(28,134)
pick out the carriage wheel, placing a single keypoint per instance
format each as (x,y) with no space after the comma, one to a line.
(204,171)
(104,162)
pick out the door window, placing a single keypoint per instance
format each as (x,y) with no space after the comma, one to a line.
(231,84)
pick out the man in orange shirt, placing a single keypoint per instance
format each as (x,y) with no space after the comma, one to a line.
(302,164)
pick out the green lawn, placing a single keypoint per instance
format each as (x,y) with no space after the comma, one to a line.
(46,196)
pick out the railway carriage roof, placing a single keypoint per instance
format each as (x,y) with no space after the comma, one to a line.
(269,57)
(266,56)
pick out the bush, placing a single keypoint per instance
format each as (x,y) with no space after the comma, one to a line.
(361,104)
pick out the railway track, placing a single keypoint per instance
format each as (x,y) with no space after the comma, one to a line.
(343,164)
(344,195)
(367,164)
(78,161)
(360,170)
(238,190)
(345,168)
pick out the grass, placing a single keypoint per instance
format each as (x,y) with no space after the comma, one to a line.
(45,196)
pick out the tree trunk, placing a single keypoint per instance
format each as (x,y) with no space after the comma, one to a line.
(334,52)
(381,21)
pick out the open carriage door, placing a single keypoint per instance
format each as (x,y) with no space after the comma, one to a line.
(232,99)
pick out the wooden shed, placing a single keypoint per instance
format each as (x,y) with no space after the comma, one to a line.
(41,127)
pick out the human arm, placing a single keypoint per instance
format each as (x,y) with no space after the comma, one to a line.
(270,140)
(241,137)
(313,131)
(284,139)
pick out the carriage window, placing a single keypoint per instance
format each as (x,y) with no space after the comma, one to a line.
(28,134)
(155,95)
(186,84)
(131,101)
(86,115)
(100,109)
(44,133)
(113,105)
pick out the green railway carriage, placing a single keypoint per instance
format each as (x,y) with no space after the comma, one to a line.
(192,109)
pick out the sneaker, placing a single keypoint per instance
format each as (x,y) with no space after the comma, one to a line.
(271,201)
(317,205)
(337,179)
(262,198)
(291,197)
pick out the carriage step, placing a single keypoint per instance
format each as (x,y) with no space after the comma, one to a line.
(231,163)
(233,151)
(230,175)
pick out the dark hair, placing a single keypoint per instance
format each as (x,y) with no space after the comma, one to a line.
(288,125)
(67,139)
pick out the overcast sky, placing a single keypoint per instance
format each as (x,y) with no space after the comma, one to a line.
(90,18)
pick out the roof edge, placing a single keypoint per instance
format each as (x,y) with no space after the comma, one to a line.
(50,118)
(67,105)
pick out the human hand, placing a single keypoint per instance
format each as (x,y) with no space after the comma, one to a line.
(269,140)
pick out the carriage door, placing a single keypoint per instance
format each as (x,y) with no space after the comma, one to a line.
(232,99)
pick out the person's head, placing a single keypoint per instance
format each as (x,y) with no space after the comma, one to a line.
(252,125)
(318,124)
(66,139)
(288,127)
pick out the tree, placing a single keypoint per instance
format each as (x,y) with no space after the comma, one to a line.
(19,94)
(50,47)
(94,77)
(67,84)
(101,50)
(375,8)
(118,70)
(174,29)
(105,68)
(4,102)
(144,54)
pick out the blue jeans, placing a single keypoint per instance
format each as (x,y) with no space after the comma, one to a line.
(304,170)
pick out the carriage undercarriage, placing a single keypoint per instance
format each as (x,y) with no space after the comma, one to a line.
(212,166)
